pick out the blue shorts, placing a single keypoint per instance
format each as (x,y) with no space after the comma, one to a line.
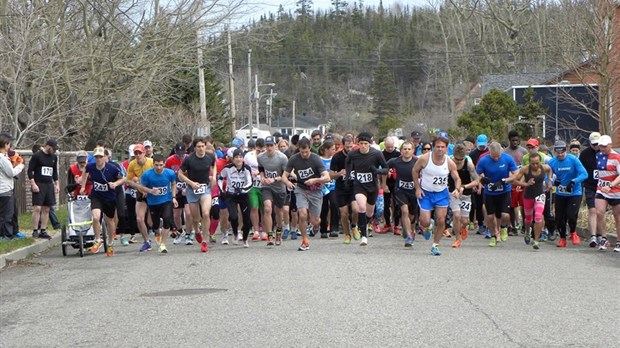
(432,200)
(193,197)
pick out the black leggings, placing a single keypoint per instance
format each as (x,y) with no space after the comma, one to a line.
(476,214)
(244,204)
(330,206)
(387,208)
(566,211)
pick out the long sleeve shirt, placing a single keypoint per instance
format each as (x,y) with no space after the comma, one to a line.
(7,172)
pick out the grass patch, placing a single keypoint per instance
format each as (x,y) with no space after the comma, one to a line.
(25,220)
(7,246)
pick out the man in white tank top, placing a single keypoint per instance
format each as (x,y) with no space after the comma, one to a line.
(432,188)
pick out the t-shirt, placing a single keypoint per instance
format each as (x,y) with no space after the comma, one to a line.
(544,158)
(197,169)
(388,156)
(43,167)
(366,167)
(403,173)
(273,167)
(237,179)
(476,154)
(337,164)
(330,186)
(496,171)
(162,182)
(305,169)
(567,170)
(516,154)
(101,179)
(135,169)
(251,160)
(608,169)
(587,157)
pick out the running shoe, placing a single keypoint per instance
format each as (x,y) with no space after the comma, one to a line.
(158,240)
(255,236)
(35,234)
(493,242)
(270,241)
(198,237)
(409,241)
(487,234)
(225,239)
(263,236)
(44,235)
(535,245)
(212,238)
(369,230)
(575,238)
(512,231)
(20,235)
(375,227)
(189,239)
(204,247)
(435,250)
(527,238)
(562,243)
(428,232)
(397,231)
(464,233)
(124,241)
(246,244)
(333,234)
(324,235)
(386,229)
(240,236)
(481,229)
(347,239)
(294,235)
(162,248)
(305,245)
(617,247)
(278,238)
(173,233)
(356,233)
(146,246)
(285,234)
(310,231)
(447,234)
(544,236)
(456,244)
(133,239)
(109,251)
(593,241)
(603,245)
(503,234)
(95,248)
(363,241)
(470,226)
(552,235)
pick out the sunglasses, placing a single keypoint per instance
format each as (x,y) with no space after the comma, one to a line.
(426,149)
(459,159)
(560,150)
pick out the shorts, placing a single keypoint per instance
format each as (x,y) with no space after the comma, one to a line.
(516,199)
(287,198)
(107,207)
(277,198)
(311,200)
(371,195)
(431,200)
(181,201)
(497,204)
(402,197)
(163,212)
(589,194)
(462,204)
(46,196)
(344,198)
(611,201)
(193,197)
(254,195)
(140,197)
(222,202)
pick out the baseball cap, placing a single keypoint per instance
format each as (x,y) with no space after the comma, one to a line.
(533,142)
(595,138)
(230,152)
(139,147)
(604,140)
(81,155)
(252,143)
(179,148)
(147,143)
(270,140)
(131,148)
(237,152)
(482,140)
(99,151)
(442,134)
(416,134)
(237,142)
(53,144)
(560,144)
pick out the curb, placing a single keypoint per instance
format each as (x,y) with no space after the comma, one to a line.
(23,253)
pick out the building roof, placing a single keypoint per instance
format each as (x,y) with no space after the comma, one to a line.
(504,82)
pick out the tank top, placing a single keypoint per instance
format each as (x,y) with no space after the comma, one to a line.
(535,190)
(435,177)
(465,179)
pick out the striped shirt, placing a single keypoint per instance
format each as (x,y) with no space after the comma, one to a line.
(607,170)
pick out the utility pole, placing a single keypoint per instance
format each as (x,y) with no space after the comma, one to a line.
(294,130)
(270,108)
(250,91)
(231,86)
(204,128)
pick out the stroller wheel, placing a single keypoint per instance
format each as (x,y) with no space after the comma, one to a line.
(81,242)
(63,238)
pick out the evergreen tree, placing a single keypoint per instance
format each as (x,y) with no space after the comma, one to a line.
(385,98)
(529,111)
(494,116)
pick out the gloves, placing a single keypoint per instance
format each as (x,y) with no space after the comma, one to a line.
(569,187)
(485,180)
(557,182)
(237,192)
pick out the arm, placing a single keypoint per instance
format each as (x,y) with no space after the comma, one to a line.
(518,178)
(286,182)
(455,176)
(213,176)
(415,172)
(582,174)
(473,175)
(83,182)
(32,165)
(549,171)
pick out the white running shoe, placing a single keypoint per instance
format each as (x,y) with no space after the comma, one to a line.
(225,239)
(363,241)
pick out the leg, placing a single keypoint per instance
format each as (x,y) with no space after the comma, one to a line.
(440,223)
(36,218)
(360,199)
(140,219)
(45,212)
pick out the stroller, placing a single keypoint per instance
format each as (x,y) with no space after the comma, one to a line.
(78,232)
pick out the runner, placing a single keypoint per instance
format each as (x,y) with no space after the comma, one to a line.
(532,146)
(181,209)
(105,177)
(495,172)
(130,203)
(137,166)
(271,166)
(569,173)
(461,205)
(238,178)
(587,157)
(256,203)
(311,175)
(365,162)
(74,174)
(198,172)
(7,196)
(516,151)
(43,176)
(345,197)
(533,177)
(478,212)
(432,189)
(405,199)
(608,189)
(148,148)
(159,185)
(329,209)
(389,153)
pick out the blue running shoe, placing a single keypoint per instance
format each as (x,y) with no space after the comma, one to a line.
(435,250)
(285,233)
(293,235)
(20,235)
(428,233)
(481,229)
(544,236)
(487,234)
(409,241)
(146,246)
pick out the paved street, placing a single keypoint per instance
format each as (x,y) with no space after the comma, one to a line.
(333,295)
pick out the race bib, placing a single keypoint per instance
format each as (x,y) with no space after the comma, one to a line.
(215,201)
(161,191)
(181,185)
(47,171)
(604,183)
(352,175)
(541,198)
(256,181)
(561,189)
(595,174)
(133,193)
(236,184)
(466,206)
(270,174)
(440,180)
(364,178)
(406,185)
(201,189)
(81,198)
(100,187)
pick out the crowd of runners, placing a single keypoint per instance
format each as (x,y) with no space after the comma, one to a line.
(334,186)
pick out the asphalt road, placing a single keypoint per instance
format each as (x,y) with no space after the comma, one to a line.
(333,295)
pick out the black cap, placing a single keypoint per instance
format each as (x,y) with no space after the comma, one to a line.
(364,136)
(416,134)
(52,143)
(252,143)
(237,152)
(179,148)
(270,140)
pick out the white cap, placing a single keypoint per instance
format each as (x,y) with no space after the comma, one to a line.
(131,150)
(147,143)
(594,138)
(304,135)
(230,151)
(604,140)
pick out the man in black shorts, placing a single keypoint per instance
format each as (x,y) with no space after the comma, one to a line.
(43,175)
(364,163)
(346,198)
